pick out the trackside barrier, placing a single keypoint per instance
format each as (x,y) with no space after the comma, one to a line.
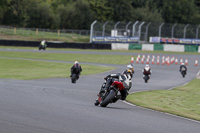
(176,61)
(55,44)
(164,60)
(132,59)
(186,61)
(196,62)
(137,60)
(181,61)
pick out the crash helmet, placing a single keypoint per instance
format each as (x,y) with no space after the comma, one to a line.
(130,68)
(146,67)
(75,62)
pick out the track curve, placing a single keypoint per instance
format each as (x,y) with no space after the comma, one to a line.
(57,106)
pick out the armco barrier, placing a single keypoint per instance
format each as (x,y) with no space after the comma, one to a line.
(174,48)
(56,44)
(191,48)
(135,46)
(199,49)
(158,47)
(147,47)
(119,46)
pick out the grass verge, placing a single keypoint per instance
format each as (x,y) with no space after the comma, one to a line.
(183,101)
(26,70)
(94,58)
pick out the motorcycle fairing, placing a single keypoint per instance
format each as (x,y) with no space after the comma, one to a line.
(118,85)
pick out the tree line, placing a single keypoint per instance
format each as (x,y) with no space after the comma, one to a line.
(79,14)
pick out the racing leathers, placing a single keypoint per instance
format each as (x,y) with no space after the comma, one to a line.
(147,72)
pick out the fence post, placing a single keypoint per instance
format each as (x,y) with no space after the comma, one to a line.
(173,30)
(115,28)
(104,25)
(91,30)
(185,30)
(160,29)
(36,32)
(127,26)
(58,32)
(197,31)
(140,29)
(14,30)
(133,30)
(146,34)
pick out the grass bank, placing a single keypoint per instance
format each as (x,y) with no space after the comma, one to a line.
(48,37)
(183,101)
(27,69)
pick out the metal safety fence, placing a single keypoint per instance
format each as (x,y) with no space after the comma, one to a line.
(142,30)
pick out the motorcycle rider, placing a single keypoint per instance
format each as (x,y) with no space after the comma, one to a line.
(43,44)
(183,69)
(76,68)
(130,67)
(146,71)
(125,78)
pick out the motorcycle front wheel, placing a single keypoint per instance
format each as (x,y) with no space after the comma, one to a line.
(108,99)
(73,78)
(146,79)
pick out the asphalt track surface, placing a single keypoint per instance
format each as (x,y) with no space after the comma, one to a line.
(57,106)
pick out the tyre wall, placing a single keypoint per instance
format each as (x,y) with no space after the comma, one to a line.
(55,44)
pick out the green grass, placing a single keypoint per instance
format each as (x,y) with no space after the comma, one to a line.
(27,69)
(183,101)
(95,58)
(31,36)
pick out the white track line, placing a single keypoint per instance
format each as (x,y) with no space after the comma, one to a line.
(198,73)
(164,112)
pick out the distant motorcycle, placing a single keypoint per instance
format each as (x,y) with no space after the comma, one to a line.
(183,70)
(146,73)
(109,95)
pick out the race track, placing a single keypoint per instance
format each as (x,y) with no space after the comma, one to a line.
(57,106)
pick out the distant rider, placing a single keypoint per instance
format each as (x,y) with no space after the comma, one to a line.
(146,71)
(76,68)
(43,45)
(183,69)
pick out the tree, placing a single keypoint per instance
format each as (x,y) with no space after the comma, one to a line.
(145,14)
(180,11)
(101,10)
(122,9)
(147,10)
(3,7)
(15,13)
(75,16)
(40,15)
